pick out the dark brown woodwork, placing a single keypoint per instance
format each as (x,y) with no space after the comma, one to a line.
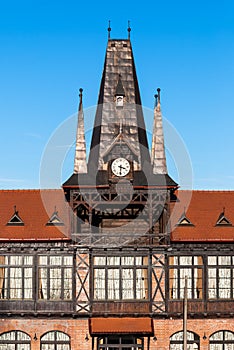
(120,307)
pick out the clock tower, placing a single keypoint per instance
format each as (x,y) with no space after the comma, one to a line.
(121,197)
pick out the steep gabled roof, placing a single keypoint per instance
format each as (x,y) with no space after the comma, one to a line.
(202,208)
(119,60)
(36,208)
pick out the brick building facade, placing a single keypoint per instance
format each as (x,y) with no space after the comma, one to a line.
(109,260)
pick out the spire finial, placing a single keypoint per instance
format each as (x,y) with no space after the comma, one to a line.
(109,30)
(159,90)
(80,94)
(157,100)
(129,30)
(81,98)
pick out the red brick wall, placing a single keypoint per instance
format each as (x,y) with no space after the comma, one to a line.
(77,330)
(163,329)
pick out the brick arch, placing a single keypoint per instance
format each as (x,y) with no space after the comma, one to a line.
(193,340)
(222,330)
(57,338)
(54,331)
(221,338)
(191,332)
(15,330)
(20,338)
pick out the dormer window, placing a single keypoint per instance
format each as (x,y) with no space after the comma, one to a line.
(223,220)
(15,220)
(55,219)
(184,221)
(119,93)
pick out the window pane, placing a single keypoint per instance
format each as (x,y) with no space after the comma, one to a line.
(212,292)
(127,284)
(43,260)
(99,284)
(63,347)
(55,283)
(185,260)
(228,335)
(113,260)
(62,336)
(113,291)
(55,260)
(28,260)
(15,283)
(224,283)
(68,261)
(141,284)
(224,260)
(173,273)
(128,260)
(67,283)
(16,260)
(212,260)
(183,274)
(139,260)
(100,260)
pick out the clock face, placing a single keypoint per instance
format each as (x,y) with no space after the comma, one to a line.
(120,167)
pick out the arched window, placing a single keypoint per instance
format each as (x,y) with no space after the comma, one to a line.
(176,341)
(222,340)
(55,340)
(15,340)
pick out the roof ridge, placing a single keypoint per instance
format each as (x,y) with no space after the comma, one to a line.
(181,190)
(31,190)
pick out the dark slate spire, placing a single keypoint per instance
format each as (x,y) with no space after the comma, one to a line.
(119,62)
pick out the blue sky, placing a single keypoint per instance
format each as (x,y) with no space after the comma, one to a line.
(48,50)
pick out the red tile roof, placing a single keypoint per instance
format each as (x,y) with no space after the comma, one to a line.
(35,207)
(203,209)
(142,325)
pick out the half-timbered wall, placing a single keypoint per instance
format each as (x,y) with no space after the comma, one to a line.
(210,275)
(82,281)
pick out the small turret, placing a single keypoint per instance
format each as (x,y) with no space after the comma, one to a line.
(80,165)
(158,157)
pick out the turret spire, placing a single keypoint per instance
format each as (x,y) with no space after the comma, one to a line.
(80,165)
(158,157)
